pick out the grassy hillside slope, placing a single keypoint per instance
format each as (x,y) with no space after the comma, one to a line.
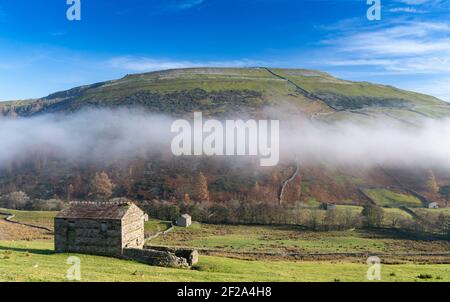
(223,90)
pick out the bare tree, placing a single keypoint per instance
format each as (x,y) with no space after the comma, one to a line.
(17,200)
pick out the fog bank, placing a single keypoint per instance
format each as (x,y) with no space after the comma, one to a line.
(111,135)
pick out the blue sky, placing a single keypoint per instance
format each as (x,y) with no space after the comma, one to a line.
(42,52)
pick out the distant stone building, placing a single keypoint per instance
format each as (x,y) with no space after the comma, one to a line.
(433,205)
(99,228)
(328,206)
(184,221)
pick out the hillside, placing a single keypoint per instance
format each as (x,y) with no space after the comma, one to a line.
(219,91)
(222,92)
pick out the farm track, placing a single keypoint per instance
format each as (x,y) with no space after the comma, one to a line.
(9,218)
(154,236)
(286,182)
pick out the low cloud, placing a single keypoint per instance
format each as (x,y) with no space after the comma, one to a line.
(98,136)
(143,64)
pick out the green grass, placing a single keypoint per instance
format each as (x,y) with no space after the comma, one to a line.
(154,226)
(445,211)
(40,218)
(387,198)
(35,261)
(353,209)
(393,215)
(273,239)
(273,91)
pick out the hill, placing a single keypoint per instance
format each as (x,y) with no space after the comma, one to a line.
(219,91)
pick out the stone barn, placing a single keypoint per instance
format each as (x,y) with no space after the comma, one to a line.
(184,221)
(99,228)
(113,229)
(433,205)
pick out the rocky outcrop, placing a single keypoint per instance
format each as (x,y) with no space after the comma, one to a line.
(162,256)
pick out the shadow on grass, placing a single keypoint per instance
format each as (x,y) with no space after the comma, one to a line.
(392,233)
(25,250)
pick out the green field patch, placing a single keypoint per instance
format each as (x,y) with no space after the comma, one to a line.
(39,218)
(155,226)
(387,198)
(279,240)
(35,261)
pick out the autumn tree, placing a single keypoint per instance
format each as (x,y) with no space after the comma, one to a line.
(201,187)
(256,192)
(373,215)
(445,193)
(101,186)
(431,182)
(70,190)
(187,199)
(17,200)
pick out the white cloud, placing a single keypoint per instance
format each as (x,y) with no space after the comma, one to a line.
(407,39)
(439,88)
(408,49)
(190,3)
(144,64)
(178,5)
(406,10)
(430,4)
(414,2)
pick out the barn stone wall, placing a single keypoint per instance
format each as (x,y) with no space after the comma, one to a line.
(133,228)
(100,237)
(190,255)
(121,237)
(154,257)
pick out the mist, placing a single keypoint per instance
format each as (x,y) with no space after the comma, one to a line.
(378,142)
(102,135)
(85,136)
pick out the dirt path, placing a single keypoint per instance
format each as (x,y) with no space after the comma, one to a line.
(9,218)
(286,182)
(154,236)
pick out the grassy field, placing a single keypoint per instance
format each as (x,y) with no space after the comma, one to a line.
(387,198)
(155,226)
(35,261)
(283,239)
(46,219)
(39,218)
(26,254)
(390,214)
(444,211)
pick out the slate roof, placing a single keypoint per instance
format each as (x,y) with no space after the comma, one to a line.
(95,210)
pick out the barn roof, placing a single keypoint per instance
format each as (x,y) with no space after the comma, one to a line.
(95,210)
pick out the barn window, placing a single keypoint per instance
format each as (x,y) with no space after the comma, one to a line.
(71,224)
(103,226)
